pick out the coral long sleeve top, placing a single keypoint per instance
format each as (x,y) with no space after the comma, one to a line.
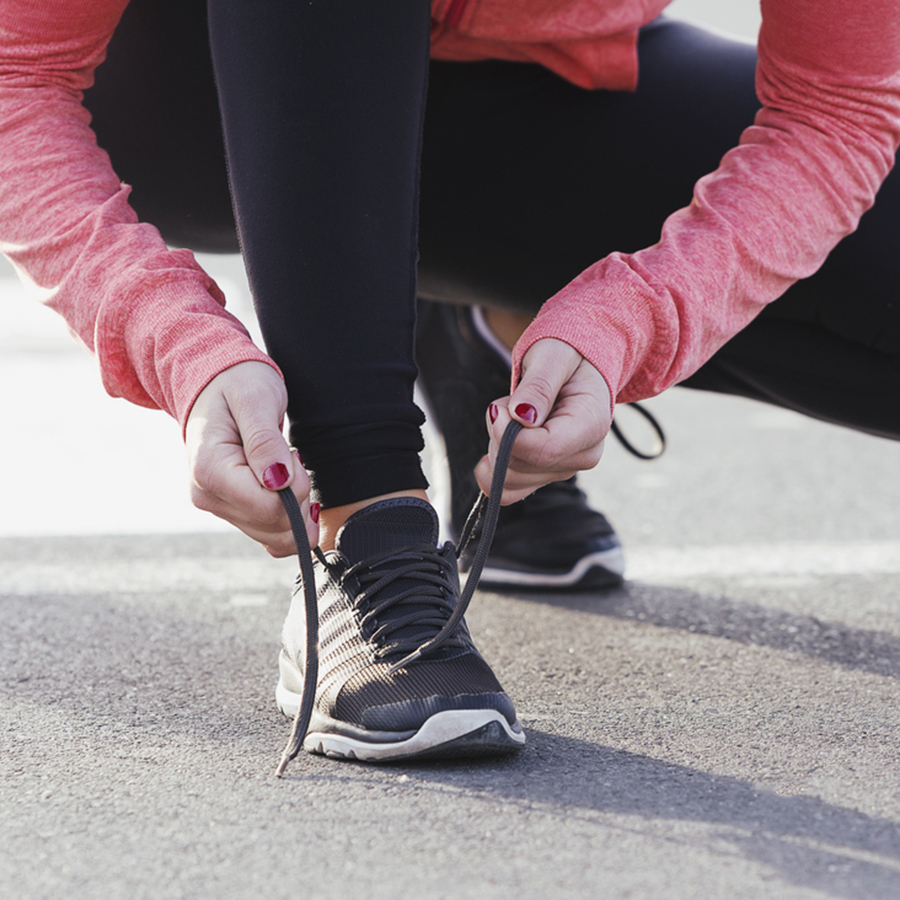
(799,180)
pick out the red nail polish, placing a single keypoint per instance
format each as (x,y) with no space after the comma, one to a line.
(493,412)
(527,412)
(299,457)
(276,476)
(314,511)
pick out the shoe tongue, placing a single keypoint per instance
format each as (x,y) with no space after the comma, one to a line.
(386,526)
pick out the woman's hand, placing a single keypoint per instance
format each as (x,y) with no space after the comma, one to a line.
(564,404)
(238,456)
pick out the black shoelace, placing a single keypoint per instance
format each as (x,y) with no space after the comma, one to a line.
(484,514)
(659,444)
(427,598)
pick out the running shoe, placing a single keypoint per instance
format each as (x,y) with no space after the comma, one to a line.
(396,674)
(553,540)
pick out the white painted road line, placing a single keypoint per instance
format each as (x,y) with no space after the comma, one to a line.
(666,564)
(255,574)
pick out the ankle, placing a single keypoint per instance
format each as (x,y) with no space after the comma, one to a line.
(331,520)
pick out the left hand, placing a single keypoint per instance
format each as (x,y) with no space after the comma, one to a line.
(564,404)
(239,458)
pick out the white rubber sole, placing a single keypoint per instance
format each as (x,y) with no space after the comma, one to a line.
(446,729)
(612,561)
(463,732)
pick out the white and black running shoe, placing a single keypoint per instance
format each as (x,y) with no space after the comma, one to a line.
(398,675)
(553,540)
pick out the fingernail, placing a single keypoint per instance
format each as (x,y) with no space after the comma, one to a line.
(527,412)
(276,476)
(299,457)
(314,511)
(493,412)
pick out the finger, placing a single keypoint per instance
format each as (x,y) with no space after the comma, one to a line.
(276,536)
(232,493)
(517,485)
(563,443)
(522,480)
(569,441)
(247,508)
(263,443)
(570,437)
(547,366)
(301,487)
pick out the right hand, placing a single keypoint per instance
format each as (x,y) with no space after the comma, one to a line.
(239,458)
(564,404)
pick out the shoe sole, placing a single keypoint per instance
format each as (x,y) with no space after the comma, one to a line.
(445,735)
(605,568)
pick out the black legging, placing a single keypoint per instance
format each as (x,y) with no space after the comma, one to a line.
(526,180)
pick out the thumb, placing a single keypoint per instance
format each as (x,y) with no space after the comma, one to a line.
(546,367)
(265,448)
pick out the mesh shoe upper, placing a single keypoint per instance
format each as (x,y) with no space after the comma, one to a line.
(382,593)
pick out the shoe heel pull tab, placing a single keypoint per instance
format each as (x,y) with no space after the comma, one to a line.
(311,662)
(492,511)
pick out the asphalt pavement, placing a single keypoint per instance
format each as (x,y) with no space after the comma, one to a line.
(724,725)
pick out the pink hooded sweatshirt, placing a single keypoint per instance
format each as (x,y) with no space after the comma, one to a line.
(799,180)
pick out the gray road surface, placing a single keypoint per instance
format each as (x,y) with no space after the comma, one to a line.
(724,726)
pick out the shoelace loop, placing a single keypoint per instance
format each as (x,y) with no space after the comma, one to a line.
(485,511)
(660,447)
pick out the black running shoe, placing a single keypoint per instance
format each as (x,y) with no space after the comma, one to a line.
(553,540)
(384,593)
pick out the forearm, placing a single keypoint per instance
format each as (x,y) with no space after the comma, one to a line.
(152,316)
(798,182)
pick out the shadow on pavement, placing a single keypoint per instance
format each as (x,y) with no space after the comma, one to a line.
(836,850)
(667,607)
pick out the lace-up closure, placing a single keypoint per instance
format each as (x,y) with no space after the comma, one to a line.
(395,674)
(429,599)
